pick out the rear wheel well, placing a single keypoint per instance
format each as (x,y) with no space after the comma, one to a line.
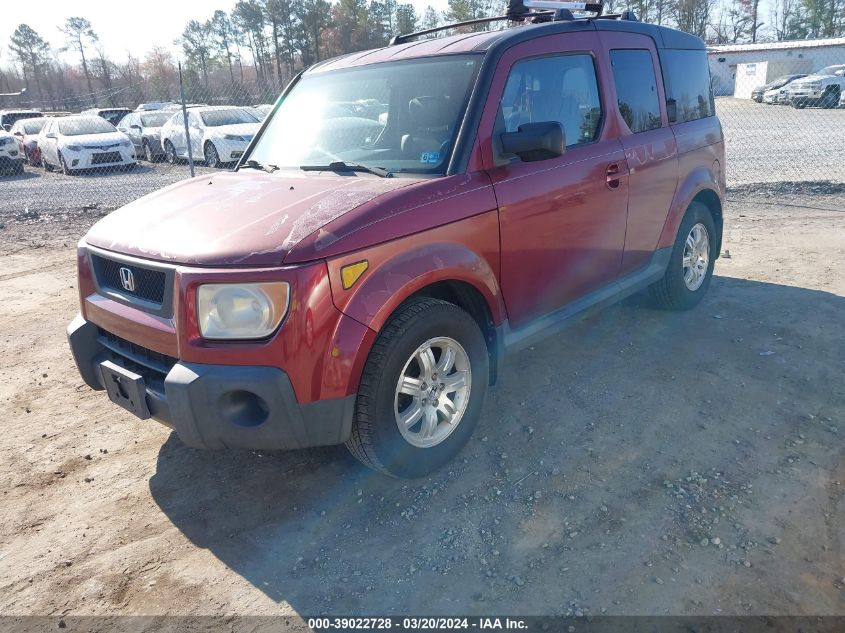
(711,200)
(469,299)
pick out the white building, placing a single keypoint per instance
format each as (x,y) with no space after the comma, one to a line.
(737,69)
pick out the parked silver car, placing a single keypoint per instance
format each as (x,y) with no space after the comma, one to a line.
(144,130)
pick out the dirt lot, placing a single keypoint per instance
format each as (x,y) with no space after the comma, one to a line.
(640,463)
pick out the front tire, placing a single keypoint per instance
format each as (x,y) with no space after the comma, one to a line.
(690,268)
(67,171)
(830,98)
(148,152)
(170,152)
(212,158)
(421,391)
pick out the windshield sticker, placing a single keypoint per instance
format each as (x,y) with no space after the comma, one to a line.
(430,158)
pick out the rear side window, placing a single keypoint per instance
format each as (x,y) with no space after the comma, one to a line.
(636,89)
(686,77)
(559,88)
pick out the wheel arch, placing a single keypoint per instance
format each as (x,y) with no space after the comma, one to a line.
(711,200)
(448,271)
(701,185)
(470,300)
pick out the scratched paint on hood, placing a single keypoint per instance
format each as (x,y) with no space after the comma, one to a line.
(235,218)
(329,208)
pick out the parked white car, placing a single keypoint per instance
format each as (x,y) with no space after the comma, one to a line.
(219,134)
(824,88)
(83,142)
(10,159)
(776,92)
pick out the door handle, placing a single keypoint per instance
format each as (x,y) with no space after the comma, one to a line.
(614,174)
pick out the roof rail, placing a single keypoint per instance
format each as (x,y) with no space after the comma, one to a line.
(627,16)
(518,11)
(400,39)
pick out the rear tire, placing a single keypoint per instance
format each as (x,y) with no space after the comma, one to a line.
(690,268)
(400,382)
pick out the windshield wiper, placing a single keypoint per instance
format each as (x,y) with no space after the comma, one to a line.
(340,165)
(254,164)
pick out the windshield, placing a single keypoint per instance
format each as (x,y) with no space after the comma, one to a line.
(782,81)
(113,116)
(402,116)
(34,126)
(89,125)
(215,118)
(10,118)
(831,70)
(154,120)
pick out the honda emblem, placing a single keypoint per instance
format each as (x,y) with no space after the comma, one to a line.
(127,279)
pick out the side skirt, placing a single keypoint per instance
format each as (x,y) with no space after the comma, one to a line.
(553,322)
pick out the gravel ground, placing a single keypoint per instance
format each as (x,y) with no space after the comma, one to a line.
(642,462)
(764,144)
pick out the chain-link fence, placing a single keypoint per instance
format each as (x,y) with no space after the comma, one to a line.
(782,107)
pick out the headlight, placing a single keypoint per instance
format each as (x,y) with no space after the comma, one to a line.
(74,148)
(4,140)
(126,143)
(241,311)
(235,137)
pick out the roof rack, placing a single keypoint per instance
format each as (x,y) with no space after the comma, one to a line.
(518,11)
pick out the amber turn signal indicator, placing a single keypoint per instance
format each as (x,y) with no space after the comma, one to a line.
(351,273)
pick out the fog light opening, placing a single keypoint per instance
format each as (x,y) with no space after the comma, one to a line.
(244,408)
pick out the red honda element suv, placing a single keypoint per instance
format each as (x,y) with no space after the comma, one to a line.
(404,218)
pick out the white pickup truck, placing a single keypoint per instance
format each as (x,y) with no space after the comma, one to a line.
(823,88)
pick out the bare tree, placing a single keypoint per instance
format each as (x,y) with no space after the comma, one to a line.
(79,34)
(33,53)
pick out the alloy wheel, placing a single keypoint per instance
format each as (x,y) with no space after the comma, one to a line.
(432,392)
(696,258)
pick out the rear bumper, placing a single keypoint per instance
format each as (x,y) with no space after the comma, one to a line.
(222,406)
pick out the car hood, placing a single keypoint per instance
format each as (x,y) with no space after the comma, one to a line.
(238,128)
(243,218)
(92,140)
(809,79)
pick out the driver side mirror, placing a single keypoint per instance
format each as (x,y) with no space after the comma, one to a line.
(535,141)
(135,126)
(7,126)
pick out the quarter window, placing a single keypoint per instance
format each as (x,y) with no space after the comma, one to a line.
(686,77)
(636,89)
(559,88)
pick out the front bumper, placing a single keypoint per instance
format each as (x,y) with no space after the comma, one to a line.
(804,94)
(215,406)
(10,157)
(86,159)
